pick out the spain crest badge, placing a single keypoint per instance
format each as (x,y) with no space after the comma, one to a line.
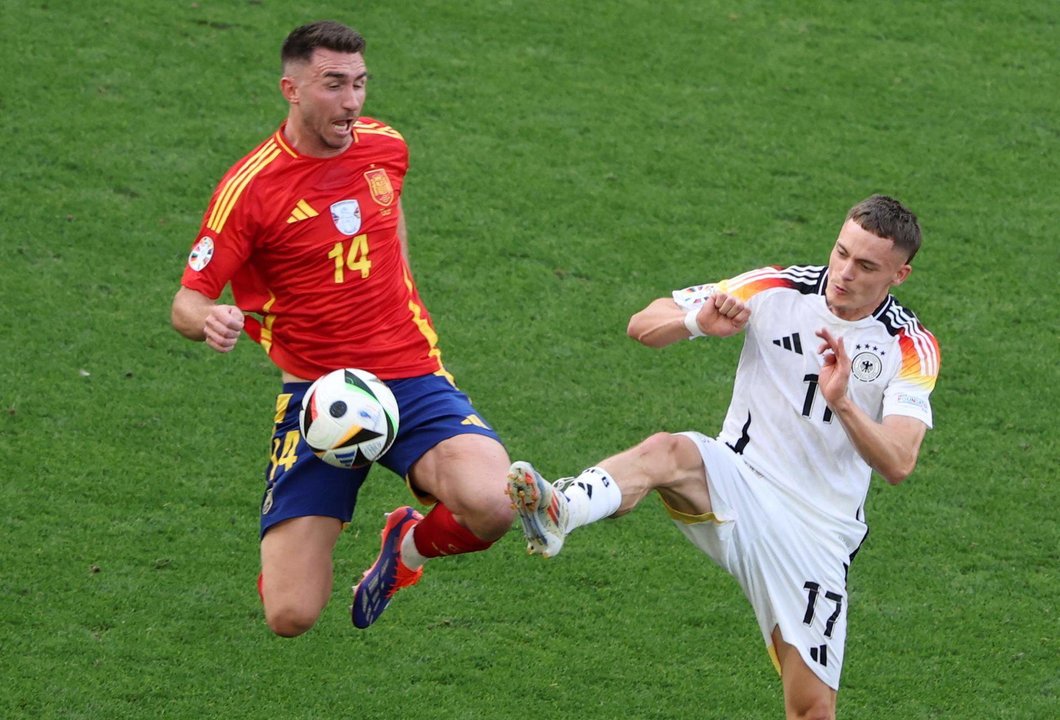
(380,187)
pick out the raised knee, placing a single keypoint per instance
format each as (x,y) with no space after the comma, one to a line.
(495,520)
(489,517)
(660,449)
(659,442)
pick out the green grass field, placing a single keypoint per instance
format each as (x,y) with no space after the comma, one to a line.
(570,162)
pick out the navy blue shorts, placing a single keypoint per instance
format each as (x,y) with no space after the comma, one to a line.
(298,483)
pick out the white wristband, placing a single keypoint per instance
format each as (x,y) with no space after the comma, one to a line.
(691,325)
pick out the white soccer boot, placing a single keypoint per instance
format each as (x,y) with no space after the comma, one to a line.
(542,509)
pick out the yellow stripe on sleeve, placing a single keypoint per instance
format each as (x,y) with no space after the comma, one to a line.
(376,128)
(234,188)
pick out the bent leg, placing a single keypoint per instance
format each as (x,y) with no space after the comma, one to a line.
(467,474)
(669,463)
(806,696)
(296,572)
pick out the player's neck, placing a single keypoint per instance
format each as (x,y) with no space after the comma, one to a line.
(854,314)
(299,138)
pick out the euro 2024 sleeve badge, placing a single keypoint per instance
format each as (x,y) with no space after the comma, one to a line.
(201,254)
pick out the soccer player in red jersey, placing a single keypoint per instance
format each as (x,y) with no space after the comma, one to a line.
(308,230)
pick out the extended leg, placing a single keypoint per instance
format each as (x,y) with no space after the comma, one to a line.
(665,462)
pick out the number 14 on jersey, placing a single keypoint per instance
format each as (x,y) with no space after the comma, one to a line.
(354,258)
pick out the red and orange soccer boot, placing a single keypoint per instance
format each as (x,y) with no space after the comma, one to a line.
(387,574)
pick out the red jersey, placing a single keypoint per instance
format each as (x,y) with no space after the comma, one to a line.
(311,249)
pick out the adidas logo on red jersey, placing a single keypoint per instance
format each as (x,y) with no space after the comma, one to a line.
(302,211)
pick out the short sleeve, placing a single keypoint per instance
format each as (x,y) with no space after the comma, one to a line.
(694,296)
(910,391)
(222,248)
(908,399)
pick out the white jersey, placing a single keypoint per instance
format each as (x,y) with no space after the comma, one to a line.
(778,420)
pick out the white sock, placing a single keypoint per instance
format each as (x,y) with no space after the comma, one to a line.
(592,496)
(410,556)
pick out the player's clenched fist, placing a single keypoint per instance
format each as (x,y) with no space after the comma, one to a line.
(223,327)
(723,315)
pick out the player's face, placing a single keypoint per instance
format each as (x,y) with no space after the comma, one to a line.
(326,96)
(861,271)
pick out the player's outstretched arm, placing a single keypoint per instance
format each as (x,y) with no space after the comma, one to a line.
(891,447)
(663,321)
(200,318)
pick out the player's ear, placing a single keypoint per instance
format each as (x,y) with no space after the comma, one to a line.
(901,274)
(289,88)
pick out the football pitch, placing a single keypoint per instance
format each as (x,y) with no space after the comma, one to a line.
(570,161)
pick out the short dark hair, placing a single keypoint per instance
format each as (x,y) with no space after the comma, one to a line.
(327,34)
(887,218)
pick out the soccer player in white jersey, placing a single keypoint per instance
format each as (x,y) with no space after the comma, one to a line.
(832,384)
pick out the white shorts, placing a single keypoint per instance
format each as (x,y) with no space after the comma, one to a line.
(790,563)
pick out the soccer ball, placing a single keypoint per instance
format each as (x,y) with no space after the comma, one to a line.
(349,418)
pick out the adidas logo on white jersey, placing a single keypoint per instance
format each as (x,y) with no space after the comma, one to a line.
(791,342)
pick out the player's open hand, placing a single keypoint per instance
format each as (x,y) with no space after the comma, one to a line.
(835,370)
(223,327)
(723,315)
